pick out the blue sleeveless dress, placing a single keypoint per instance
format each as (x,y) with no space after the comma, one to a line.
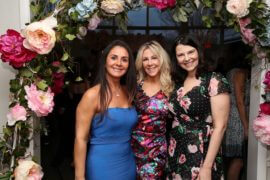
(110,155)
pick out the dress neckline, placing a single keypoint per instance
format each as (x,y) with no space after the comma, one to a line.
(144,93)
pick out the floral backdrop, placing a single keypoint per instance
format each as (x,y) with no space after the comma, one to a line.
(41,55)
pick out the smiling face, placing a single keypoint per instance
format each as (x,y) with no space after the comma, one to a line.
(117,62)
(151,63)
(187,57)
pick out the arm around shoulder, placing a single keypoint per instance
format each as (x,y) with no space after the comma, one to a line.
(86,109)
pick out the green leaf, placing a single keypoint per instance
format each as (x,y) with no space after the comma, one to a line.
(53,1)
(70,36)
(25,72)
(42,85)
(14,85)
(7,131)
(65,57)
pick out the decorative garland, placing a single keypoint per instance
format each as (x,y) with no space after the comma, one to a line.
(40,54)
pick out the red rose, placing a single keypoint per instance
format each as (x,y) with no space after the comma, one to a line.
(265,108)
(13,51)
(58,82)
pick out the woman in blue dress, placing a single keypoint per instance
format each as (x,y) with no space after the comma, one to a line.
(105,118)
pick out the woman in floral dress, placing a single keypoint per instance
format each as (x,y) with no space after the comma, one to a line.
(151,101)
(200,104)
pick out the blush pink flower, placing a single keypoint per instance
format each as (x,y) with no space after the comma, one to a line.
(261,128)
(93,22)
(16,113)
(40,36)
(161,4)
(213,87)
(13,51)
(182,159)
(247,34)
(185,103)
(238,7)
(28,170)
(40,102)
(192,148)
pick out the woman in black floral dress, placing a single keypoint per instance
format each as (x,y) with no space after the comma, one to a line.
(200,104)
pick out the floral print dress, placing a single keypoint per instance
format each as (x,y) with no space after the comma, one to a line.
(148,137)
(192,127)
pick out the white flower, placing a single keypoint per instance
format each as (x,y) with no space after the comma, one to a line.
(113,6)
(28,170)
(238,7)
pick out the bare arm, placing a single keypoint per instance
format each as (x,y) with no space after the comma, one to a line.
(220,106)
(86,109)
(239,88)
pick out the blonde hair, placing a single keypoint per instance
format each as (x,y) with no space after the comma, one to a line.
(166,82)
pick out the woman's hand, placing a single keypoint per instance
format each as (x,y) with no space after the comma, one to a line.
(205,173)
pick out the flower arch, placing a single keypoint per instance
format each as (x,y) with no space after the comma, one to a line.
(40,54)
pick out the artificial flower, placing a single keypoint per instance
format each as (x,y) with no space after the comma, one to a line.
(93,22)
(266,80)
(40,36)
(261,128)
(28,170)
(16,113)
(58,82)
(13,51)
(113,6)
(246,33)
(84,8)
(41,102)
(161,4)
(238,7)
(265,108)
(82,31)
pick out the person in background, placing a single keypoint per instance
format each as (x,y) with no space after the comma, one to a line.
(200,104)
(151,101)
(105,118)
(237,131)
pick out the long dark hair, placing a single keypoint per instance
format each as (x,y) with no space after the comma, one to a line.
(129,79)
(179,74)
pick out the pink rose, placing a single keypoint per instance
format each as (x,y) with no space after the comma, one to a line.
(261,128)
(247,34)
(238,7)
(15,114)
(182,159)
(40,102)
(93,22)
(161,4)
(172,146)
(58,82)
(185,103)
(195,172)
(213,87)
(29,170)
(40,36)
(265,108)
(12,50)
(192,148)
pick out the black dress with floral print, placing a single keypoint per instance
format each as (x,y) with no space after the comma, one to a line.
(192,128)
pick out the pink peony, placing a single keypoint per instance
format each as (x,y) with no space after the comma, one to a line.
(247,34)
(28,170)
(93,22)
(15,114)
(40,36)
(161,4)
(265,108)
(213,87)
(12,50)
(238,7)
(58,82)
(261,128)
(39,101)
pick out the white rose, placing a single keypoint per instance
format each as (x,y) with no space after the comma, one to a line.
(113,6)
(238,7)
